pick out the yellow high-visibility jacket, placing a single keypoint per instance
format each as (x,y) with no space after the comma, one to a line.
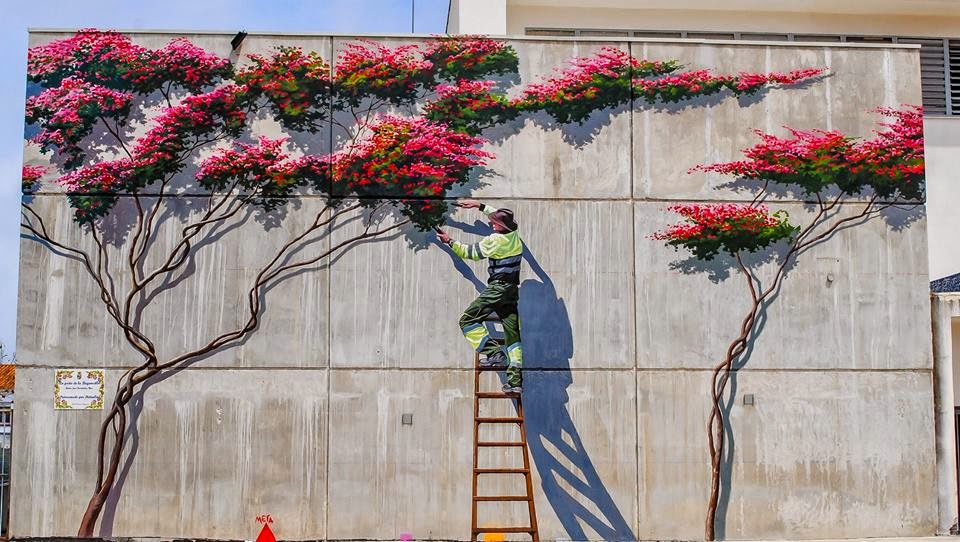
(503,249)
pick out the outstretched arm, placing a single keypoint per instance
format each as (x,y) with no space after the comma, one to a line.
(474,204)
(465,251)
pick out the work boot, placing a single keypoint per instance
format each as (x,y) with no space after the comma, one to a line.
(496,359)
(507,388)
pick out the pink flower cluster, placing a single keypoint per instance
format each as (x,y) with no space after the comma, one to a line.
(66,114)
(466,50)
(420,157)
(30,175)
(746,81)
(583,78)
(112,59)
(65,104)
(297,84)
(92,190)
(370,55)
(468,57)
(891,163)
(103,177)
(694,82)
(409,158)
(160,152)
(612,77)
(95,74)
(709,229)
(685,85)
(253,166)
(708,220)
(589,85)
(464,86)
(414,160)
(273,73)
(91,76)
(778,155)
(469,106)
(178,62)
(896,153)
(180,126)
(368,68)
(87,48)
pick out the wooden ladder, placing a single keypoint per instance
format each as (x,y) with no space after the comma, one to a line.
(476,530)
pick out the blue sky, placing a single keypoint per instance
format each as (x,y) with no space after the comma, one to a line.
(347,16)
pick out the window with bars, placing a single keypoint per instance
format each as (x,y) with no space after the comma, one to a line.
(939,57)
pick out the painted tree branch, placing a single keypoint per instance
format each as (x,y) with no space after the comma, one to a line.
(109,453)
(887,168)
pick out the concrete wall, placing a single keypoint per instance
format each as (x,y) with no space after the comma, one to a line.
(303,421)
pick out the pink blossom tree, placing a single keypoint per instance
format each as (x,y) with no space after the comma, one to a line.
(192,101)
(826,167)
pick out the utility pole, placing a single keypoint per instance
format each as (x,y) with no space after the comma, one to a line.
(413,14)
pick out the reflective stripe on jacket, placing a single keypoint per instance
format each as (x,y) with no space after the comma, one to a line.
(503,249)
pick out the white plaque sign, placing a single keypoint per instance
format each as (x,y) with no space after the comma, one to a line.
(78,389)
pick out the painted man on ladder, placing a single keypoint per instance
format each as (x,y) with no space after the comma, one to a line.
(504,249)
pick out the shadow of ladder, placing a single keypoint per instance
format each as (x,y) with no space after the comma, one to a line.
(476,530)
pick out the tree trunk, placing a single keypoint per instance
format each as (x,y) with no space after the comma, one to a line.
(108,466)
(718,386)
(91,515)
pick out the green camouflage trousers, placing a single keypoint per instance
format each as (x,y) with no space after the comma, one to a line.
(500,298)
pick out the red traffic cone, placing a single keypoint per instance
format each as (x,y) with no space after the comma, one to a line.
(266,534)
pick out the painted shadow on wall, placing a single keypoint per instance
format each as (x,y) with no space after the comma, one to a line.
(552,435)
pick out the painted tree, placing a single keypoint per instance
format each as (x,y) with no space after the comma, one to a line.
(826,167)
(195,107)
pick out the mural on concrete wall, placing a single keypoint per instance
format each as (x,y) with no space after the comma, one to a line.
(824,167)
(130,129)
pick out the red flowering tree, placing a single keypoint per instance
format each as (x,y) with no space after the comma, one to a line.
(826,167)
(195,102)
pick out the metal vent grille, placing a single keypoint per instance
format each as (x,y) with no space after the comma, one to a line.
(953,48)
(933,74)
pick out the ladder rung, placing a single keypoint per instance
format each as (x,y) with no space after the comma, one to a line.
(492,498)
(499,443)
(501,471)
(504,530)
(496,395)
(499,420)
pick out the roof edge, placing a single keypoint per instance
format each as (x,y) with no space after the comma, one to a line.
(594,39)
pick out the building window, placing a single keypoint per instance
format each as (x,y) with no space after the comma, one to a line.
(595,33)
(655,34)
(711,35)
(939,57)
(868,39)
(763,37)
(816,37)
(550,32)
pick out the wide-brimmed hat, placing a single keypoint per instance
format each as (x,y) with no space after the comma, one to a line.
(504,217)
